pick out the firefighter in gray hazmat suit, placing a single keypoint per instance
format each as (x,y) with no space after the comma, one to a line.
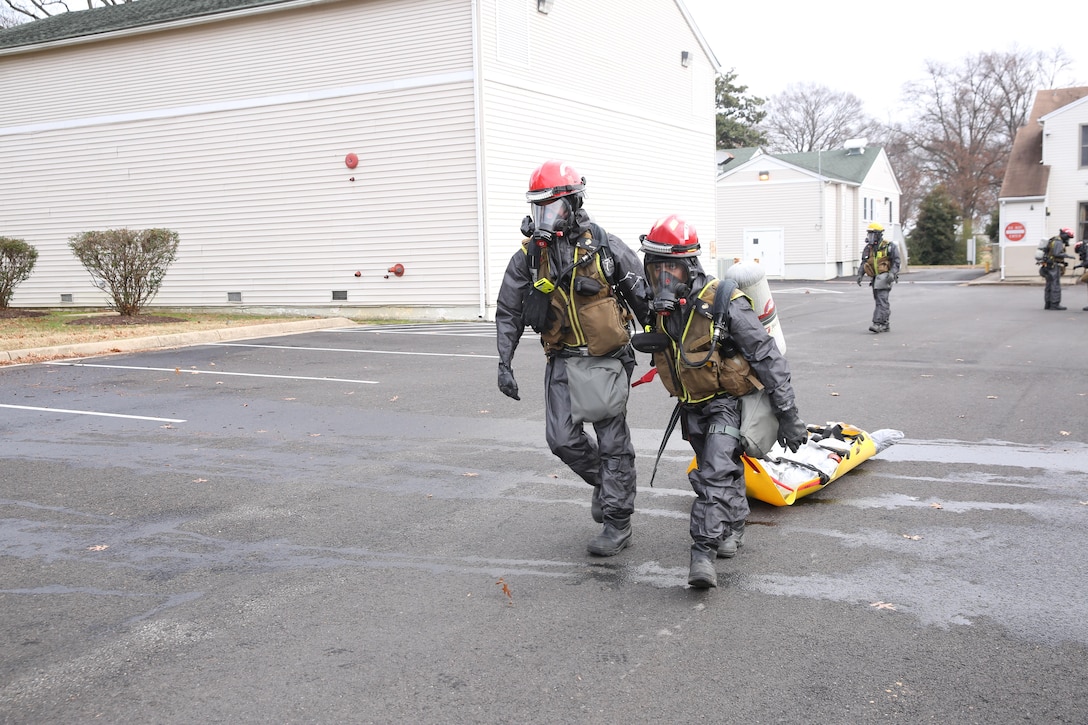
(1052,267)
(880,261)
(708,344)
(580,288)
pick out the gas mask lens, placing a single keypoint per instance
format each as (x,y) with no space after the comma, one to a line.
(669,279)
(551,217)
(667,276)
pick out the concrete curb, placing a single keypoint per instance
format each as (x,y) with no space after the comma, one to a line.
(180,339)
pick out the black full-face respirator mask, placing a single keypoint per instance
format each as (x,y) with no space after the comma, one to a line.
(874,237)
(555,219)
(670,279)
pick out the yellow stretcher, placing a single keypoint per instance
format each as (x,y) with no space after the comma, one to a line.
(830,452)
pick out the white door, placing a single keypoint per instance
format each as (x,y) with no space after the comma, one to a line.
(765,246)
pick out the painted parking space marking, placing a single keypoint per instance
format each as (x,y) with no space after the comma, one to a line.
(179,371)
(464,329)
(806,291)
(93,412)
(346,349)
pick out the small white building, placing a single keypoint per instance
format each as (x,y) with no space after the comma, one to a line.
(305,148)
(804,215)
(1046,180)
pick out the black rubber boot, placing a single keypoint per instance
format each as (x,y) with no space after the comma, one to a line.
(701,574)
(727,549)
(614,538)
(595,509)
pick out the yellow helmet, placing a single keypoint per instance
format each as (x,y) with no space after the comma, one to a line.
(874,227)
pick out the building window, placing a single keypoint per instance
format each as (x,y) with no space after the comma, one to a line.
(1083,146)
(1082,221)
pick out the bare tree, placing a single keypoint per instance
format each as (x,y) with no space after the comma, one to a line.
(22,11)
(1018,75)
(8,18)
(965,120)
(907,162)
(806,117)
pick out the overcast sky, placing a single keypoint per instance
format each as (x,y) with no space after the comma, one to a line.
(870,49)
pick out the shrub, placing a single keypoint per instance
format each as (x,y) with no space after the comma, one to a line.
(126,264)
(17,260)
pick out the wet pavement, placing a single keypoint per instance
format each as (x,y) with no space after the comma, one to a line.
(353,525)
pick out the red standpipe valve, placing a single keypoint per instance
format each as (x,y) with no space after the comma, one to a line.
(397,270)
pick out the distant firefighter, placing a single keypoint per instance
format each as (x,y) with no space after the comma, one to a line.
(879,262)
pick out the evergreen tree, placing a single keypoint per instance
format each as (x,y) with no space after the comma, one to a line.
(933,240)
(738,114)
(992,226)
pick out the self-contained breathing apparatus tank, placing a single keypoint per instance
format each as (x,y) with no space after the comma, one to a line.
(752,281)
(1040,251)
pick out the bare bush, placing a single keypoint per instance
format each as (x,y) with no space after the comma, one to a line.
(126,264)
(17,260)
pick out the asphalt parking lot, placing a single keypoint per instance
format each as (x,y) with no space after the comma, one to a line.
(354,525)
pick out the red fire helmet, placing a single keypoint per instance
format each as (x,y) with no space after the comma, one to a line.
(671,236)
(552,180)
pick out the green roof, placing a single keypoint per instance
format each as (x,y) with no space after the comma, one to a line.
(851,165)
(845,164)
(110,18)
(735,157)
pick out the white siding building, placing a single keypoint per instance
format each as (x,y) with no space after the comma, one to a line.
(804,215)
(1046,180)
(233,121)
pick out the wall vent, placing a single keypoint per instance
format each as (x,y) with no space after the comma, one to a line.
(234,297)
(65,298)
(339,295)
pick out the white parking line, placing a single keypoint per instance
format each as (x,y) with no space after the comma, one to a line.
(213,372)
(806,291)
(462,329)
(346,349)
(91,412)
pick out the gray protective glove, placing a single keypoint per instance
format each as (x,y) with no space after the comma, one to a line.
(507,384)
(792,433)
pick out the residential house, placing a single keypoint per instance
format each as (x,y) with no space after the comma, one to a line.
(1046,181)
(307,151)
(804,215)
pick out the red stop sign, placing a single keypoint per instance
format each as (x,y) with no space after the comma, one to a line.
(1015,231)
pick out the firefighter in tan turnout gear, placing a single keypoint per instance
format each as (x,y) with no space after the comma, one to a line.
(710,348)
(580,288)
